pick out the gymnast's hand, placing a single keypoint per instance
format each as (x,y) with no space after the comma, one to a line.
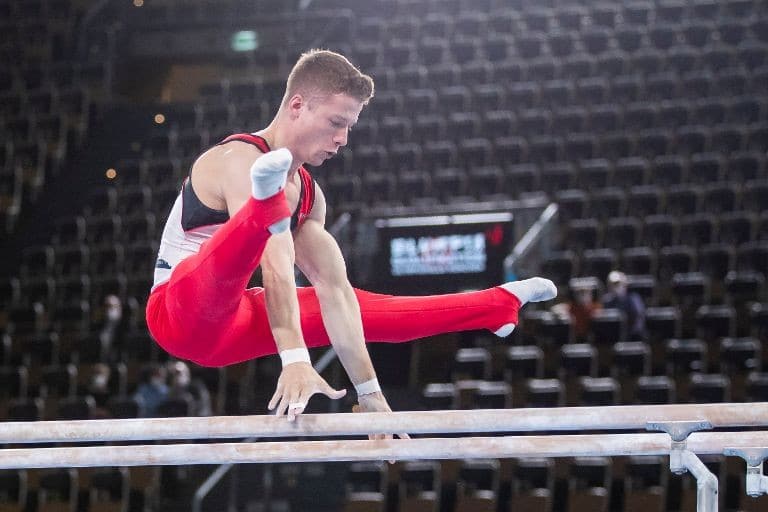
(375,402)
(296,385)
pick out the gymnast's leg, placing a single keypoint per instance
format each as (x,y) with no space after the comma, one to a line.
(394,319)
(199,306)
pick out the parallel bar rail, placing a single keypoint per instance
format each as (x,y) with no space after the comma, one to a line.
(412,422)
(357,450)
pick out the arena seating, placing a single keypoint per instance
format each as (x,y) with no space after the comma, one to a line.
(645,121)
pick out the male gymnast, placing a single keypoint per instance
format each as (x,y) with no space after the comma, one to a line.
(249,202)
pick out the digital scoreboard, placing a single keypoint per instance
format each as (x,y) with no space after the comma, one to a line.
(441,253)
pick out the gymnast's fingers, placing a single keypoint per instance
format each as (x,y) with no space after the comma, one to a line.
(276,397)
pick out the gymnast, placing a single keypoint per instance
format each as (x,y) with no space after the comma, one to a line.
(249,202)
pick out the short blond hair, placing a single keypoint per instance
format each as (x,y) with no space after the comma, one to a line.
(323,72)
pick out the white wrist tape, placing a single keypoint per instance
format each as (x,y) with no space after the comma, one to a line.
(295,355)
(368,387)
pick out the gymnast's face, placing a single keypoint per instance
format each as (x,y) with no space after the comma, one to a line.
(322,124)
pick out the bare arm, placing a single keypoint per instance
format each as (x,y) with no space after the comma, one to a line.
(319,257)
(298,381)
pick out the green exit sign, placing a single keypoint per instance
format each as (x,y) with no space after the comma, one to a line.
(245,41)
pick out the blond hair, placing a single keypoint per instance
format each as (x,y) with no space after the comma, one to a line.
(323,72)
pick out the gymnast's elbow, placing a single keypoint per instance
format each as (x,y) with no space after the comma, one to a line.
(333,290)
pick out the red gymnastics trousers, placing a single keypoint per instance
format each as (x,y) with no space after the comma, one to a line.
(205,314)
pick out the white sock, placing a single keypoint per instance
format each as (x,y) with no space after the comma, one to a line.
(535,289)
(269,172)
(268,176)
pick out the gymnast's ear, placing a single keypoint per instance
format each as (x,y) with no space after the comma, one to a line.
(295,104)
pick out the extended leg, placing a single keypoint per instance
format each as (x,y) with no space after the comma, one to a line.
(395,319)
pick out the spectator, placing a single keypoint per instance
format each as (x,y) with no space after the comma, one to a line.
(98,388)
(630,303)
(581,306)
(111,318)
(183,385)
(152,390)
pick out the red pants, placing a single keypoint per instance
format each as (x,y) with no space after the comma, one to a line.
(205,314)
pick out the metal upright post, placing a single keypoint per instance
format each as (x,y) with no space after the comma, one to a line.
(681,459)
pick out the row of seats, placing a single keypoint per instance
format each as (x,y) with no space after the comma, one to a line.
(570,484)
(440,52)
(86,489)
(467,16)
(659,33)
(653,269)
(594,392)
(663,231)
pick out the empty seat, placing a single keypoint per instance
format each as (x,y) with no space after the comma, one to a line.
(709,388)
(524,362)
(716,260)
(644,200)
(419,486)
(645,484)
(57,490)
(659,231)
(364,502)
(753,256)
(697,229)
(583,234)
(662,322)
(369,476)
(622,232)
(716,321)
(617,145)
(14,489)
(601,391)
(595,173)
(736,228)
(632,171)
(471,363)
(706,168)
(607,203)
(744,285)
(654,390)
(571,203)
(685,355)
(598,262)
(578,360)
(692,139)
(757,387)
(630,360)
(109,490)
(592,91)
(589,484)
(439,396)
(544,393)
(608,326)
(675,259)
(533,485)
(558,176)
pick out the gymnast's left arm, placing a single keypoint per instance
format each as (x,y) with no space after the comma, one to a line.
(319,257)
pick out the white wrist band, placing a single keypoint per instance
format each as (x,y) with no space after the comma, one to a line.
(368,387)
(295,355)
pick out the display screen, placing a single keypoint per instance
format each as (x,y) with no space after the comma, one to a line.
(434,255)
(442,253)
